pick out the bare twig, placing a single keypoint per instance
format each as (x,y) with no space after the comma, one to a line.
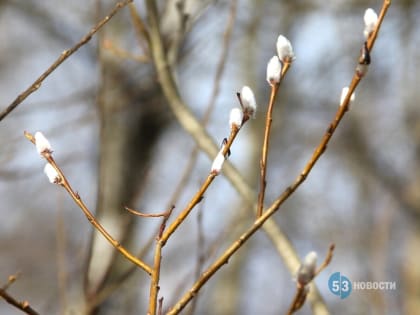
(154,283)
(326,261)
(64,55)
(343,108)
(164,221)
(264,154)
(92,220)
(23,306)
(148,215)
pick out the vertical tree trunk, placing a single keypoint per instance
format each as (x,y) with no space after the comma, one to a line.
(132,117)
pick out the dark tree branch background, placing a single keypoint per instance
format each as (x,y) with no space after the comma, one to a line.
(114,135)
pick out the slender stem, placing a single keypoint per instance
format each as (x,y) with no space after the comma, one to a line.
(298,300)
(23,306)
(92,220)
(64,55)
(200,193)
(147,215)
(374,35)
(265,148)
(326,261)
(154,284)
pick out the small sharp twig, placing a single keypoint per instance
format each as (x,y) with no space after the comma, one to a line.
(326,261)
(148,215)
(154,283)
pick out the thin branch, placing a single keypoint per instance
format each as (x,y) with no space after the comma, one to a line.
(326,261)
(154,283)
(148,215)
(23,306)
(64,55)
(264,154)
(200,193)
(92,220)
(343,108)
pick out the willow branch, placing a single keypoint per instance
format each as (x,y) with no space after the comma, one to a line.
(264,155)
(343,108)
(64,55)
(92,220)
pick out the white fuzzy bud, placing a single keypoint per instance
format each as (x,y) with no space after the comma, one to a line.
(248,102)
(52,174)
(42,144)
(273,70)
(371,19)
(307,270)
(344,93)
(235,118)
(284,49)
(218,161)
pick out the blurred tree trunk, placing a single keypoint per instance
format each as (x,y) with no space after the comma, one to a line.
(132,118)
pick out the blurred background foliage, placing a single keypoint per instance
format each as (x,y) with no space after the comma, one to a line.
(112,132)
